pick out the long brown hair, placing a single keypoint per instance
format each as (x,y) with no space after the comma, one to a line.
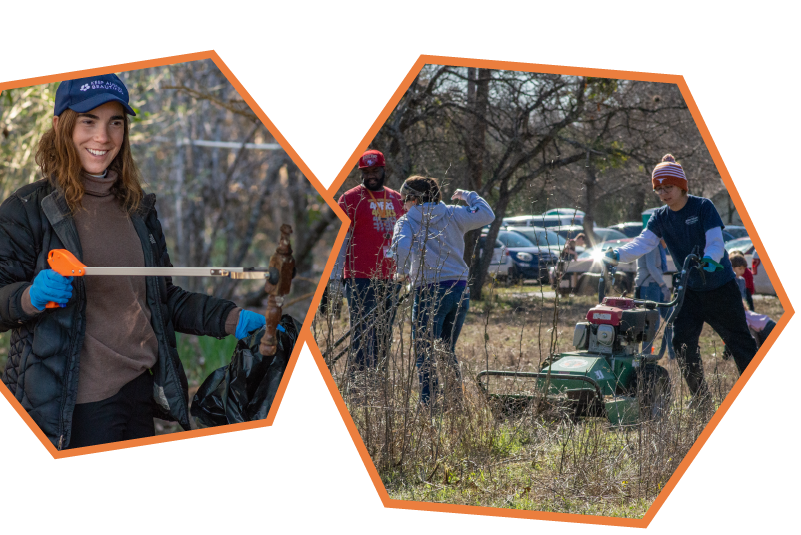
(58,159)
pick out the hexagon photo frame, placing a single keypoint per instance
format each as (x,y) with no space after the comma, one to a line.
(497,434)
(227,181)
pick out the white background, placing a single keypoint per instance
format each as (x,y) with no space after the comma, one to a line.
(323,73)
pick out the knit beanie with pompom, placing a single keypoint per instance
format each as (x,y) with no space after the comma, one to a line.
(669,173)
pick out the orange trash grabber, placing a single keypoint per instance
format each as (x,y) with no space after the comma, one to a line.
(65,264)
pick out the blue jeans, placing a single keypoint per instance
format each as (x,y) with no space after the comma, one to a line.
(438,313)
(653,292)
(372,304)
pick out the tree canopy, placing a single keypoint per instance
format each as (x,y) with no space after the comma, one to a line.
(532,141)
(224,185)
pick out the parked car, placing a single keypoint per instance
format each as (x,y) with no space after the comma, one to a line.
(515,258)
(744,245)
(543,221)
(565,211)
(736,231)
(762,284)
(631,229)
(541,237)
(601,234)
(500,262)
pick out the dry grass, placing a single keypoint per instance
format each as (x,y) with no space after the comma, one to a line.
(538,459)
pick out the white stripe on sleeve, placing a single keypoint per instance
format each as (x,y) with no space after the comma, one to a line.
(714,244)
(644,243)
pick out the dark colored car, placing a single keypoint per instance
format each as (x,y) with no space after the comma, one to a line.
(733,232)
(542,237)
(601,234)
(737,231)
(631,229)
(528,260)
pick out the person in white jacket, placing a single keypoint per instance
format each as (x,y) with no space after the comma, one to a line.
(689,224)
(428,246)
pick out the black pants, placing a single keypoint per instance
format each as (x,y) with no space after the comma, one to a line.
(372,304)
(722,309)
(126,415)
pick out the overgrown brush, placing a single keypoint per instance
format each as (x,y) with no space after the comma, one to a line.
(464,450)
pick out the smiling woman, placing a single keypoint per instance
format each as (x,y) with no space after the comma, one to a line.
(101,364)
(98,136)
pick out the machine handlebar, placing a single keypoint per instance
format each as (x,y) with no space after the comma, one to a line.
(691,262)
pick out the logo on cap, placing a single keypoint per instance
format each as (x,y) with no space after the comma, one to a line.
(370,160)
(100,84)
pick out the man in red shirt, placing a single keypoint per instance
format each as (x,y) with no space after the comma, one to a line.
(369,288)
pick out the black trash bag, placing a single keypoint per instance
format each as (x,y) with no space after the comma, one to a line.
(244,390)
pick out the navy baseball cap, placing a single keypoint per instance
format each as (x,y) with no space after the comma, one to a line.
(85,94)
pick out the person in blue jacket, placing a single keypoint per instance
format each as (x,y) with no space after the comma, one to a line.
(689,224)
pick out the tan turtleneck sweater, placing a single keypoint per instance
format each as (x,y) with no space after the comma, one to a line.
(119,343)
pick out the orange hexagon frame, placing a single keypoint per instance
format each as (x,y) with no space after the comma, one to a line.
(724,407)
(306,329)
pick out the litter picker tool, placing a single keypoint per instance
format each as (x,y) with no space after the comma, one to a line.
(277,279)
(64,263)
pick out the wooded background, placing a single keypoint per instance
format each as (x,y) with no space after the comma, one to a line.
(528,142)
(224,185)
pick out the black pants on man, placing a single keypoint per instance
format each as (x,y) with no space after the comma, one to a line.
(372,304)
(126,415)
(722,308)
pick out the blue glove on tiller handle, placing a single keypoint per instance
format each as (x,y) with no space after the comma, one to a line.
(612,256)
(248,322)
(710,265)
(50,286)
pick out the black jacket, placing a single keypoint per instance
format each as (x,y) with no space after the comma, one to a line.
(42,367)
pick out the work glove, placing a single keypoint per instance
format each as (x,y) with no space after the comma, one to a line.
(612,255)
(50,286)
(665,294)
(248,322)
(710,265)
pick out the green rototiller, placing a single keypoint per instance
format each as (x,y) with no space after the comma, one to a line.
(607,375)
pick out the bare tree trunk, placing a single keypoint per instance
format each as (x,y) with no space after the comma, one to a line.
(477,104)
(475,145)
(590,181)
(480,263)
(637,204)
(299,188)
(181,240)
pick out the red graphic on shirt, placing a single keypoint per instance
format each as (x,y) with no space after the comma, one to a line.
(373,216)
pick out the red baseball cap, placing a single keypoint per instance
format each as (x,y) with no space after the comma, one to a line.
(372,158)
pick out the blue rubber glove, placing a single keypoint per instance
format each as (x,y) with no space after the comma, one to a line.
(50,286)
(612,255)
(710,265)
(248,322)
